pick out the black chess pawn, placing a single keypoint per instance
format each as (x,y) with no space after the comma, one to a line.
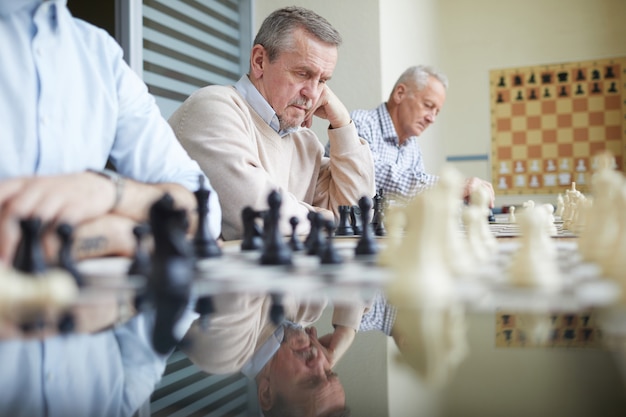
(66,323)
(141,263)
(612,88)
(531,79)
(29,257)
(532,95)
(294,243)
(204,307)
(595,74)
(277,311)
(563,92)
(252,234)
(65,259)
(519,96)
(609,73)
(344,228)
(579,90)
(501,83)
(355,220)
(275,250)
(546,92)
(315,241)
(204,243)
(580,75)
(499,99)
(330,255)
(367,243)
(596,88)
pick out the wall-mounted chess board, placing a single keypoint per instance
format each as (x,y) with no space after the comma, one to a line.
(579,330)
(549,121)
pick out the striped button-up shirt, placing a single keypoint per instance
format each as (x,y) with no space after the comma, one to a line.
(399,168)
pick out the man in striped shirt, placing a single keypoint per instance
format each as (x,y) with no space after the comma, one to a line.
(392,129)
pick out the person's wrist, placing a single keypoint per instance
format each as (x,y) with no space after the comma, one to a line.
(118,182)
(340,124)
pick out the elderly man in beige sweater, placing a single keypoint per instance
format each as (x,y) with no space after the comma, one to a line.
(254,137)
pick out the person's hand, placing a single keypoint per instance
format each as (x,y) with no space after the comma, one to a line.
(474,183)
(336,343)
(328,107)
(71,198)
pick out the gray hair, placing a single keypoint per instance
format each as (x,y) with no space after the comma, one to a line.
(419,75)
(275,34)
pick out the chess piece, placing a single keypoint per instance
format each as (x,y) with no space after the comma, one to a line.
(252,235)
(64,231)
(329,254)
(172,272)
(315,241)
(367,244)
(512,214)
(277,311)
(294,243)
(379,214)
(344,228)
(275,250)
(355,220)
(204,243)
(141,259)
(29,255)
(534,263)
(204,307)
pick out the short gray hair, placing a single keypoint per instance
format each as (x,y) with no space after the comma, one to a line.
(275,34)
(418,75)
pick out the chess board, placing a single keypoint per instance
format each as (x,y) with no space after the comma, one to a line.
(549,121)
(561,329)
(501,228)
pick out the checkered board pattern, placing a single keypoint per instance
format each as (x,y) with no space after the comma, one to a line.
(501,229)
(549,121)
(574,330)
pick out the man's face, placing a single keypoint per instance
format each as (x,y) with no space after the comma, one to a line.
(294,81)
(418,109)
(300,373)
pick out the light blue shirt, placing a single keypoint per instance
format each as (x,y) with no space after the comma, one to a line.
(106,374)
(260,105)
(69,102)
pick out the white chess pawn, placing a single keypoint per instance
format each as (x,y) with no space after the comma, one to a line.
(512,218)
(534,263)
(560,205)
(534,167)
(550,226)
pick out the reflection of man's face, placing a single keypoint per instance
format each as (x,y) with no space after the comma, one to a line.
(300,373)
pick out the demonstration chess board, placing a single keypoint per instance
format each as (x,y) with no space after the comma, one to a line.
(562,329)
(549,121)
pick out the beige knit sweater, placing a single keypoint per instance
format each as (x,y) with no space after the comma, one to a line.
(245,160)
